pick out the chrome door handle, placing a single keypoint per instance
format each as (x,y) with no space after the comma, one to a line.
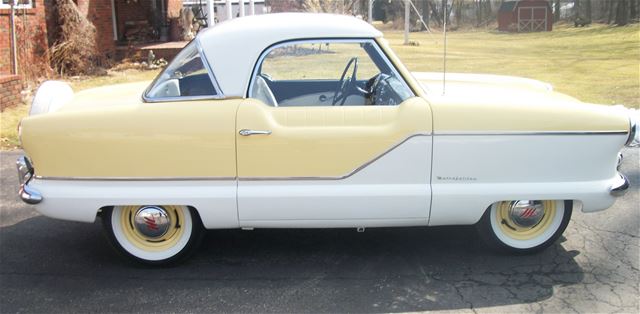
(245,132)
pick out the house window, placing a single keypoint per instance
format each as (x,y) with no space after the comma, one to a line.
(18,4)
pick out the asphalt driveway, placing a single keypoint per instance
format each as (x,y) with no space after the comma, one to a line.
(55,266)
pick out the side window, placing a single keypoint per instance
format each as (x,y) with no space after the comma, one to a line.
(185,76)
(327,73)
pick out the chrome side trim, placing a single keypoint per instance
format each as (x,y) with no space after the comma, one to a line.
(620,185)
(135,178)
(349,174)
(614,132)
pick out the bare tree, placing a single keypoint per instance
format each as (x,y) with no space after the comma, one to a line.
(622,13)
(611,10)
(633,10)
(331,6)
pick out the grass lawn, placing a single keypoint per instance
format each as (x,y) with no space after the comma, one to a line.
(598,64)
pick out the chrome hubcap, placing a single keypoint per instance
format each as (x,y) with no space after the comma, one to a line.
(152,221)
(526,213)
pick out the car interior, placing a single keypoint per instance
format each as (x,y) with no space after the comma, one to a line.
(381,89)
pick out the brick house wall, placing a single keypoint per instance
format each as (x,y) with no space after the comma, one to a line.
(99,12)
(31,35)
(10,88)
(36,31)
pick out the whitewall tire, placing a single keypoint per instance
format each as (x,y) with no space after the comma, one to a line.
(524,226)
(153,234)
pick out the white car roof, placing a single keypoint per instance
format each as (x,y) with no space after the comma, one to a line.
(233,46)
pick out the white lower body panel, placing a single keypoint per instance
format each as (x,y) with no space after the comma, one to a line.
(471,172)
(79,200)
(393,190)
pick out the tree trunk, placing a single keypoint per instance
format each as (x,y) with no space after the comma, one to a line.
(576,9)
(458,11)
(556,11)
(633,10)
(612,5)
(588,13)
(425,11)
(478,7)
(622,14)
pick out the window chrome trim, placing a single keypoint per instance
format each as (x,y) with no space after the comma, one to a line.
(212,78)
(207,65)
(263,55)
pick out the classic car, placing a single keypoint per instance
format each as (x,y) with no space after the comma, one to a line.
(301,120)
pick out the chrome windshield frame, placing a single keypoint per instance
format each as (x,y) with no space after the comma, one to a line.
(212,78)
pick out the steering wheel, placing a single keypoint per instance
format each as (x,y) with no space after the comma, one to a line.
(346,83)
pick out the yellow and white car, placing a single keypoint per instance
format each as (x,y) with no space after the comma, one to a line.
(311,121)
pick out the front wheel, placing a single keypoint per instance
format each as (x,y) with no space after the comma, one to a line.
(152,234)
(524,226)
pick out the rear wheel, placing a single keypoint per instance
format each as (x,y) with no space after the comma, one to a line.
(152,234)
(524,226)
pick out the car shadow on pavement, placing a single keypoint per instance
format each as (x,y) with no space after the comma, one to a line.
(50,265)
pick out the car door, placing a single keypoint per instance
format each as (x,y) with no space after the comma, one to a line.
(357,162)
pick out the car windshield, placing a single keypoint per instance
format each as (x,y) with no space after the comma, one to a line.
(186,76)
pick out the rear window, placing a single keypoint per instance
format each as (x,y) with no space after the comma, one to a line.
(186,76)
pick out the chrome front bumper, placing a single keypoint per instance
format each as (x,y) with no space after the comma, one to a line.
(620,185)
(25,174)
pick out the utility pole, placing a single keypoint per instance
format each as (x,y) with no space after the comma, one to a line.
(211,19)
(370,11)
(252,7)
(444,55)
(14,42)
(229,8)
(407,11)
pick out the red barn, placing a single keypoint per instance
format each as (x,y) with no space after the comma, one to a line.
(525,16)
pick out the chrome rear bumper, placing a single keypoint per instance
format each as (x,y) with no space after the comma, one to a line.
(25,174)
(620,186)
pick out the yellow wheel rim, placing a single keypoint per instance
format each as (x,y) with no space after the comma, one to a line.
(152,244)
(511,229)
